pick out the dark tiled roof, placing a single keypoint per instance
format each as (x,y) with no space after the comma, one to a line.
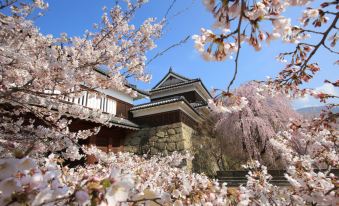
(163,102)
(157,103)
(171,72)
(198,104)
(179,75)
(115,121)
(182,84)
(146,93)
(175,85)
(124,123)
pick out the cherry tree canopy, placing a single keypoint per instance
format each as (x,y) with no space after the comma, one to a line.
(246,133)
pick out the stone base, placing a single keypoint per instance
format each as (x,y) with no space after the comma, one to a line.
(160,140)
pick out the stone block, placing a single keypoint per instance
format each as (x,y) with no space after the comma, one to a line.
(160,134)
(180,146)
(161,140)
(178,130)
(171,131)
(161,145)
(176,138)
(153,139)
(171,147)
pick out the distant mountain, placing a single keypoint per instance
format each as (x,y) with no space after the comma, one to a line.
(310,112)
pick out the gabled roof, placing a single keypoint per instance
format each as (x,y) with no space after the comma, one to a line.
(171,74)
(175,85)
(180,81)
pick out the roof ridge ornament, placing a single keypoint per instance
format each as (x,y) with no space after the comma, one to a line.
(170,69)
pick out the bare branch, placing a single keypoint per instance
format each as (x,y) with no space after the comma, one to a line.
(239,46)
(183,41)
(7,4)
(169,9)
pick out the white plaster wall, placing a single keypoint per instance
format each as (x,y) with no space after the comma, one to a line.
(116,94)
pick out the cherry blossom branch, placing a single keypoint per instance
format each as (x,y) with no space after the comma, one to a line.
(16,89)
(126,16)
(326,33)
(239,46)
(310,31)
(223,36)
(39,114)
(304,64)
(329,49)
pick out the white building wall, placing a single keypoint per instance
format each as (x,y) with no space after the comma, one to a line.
(116,94)
(95,100)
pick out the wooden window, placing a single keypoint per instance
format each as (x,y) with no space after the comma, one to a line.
(111,106)
(95,101)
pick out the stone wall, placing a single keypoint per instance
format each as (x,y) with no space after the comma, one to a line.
(160,140)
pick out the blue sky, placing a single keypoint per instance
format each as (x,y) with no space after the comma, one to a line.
(74,17)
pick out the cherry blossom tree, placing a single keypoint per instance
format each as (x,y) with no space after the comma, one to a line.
(309,149)
(118,179)
(38,71)
(245,134)
(229,140)
(242,22)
